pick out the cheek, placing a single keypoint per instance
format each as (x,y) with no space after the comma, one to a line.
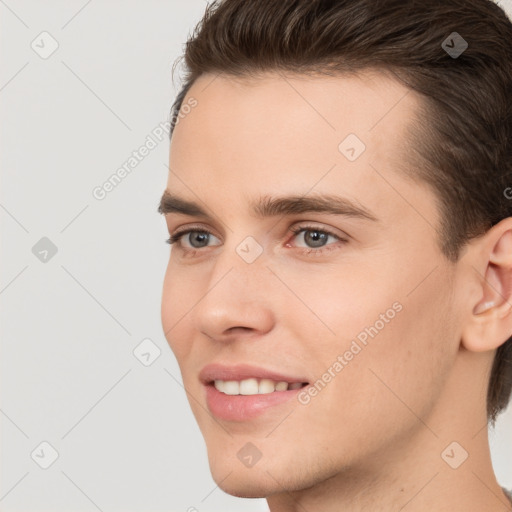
(178,299)
(412,360)
(339,304)
(350,291)
(394,344)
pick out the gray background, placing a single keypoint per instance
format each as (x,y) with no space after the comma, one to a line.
(125,437)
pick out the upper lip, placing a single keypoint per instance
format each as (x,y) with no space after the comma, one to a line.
(239,372)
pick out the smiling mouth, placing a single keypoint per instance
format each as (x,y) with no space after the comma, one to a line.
(253,386)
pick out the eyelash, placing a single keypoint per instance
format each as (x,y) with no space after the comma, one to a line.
(176,239)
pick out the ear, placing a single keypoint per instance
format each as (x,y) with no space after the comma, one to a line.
(489,322)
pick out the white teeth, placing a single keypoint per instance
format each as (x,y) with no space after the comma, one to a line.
(253,387)
(231,387)
(219,385)
(249,387)
(266,386)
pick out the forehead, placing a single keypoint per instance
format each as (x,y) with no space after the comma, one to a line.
(358,101)
(294,133)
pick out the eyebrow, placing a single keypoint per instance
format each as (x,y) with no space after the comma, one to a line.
(268,206)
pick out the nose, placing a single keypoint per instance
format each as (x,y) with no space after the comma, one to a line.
(236,301)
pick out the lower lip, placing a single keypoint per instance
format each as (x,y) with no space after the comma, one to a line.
(244,407)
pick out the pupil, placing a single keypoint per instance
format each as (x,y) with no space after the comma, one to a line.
(315,238)
(198,237)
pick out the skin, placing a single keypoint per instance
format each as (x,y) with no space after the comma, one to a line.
(372,438)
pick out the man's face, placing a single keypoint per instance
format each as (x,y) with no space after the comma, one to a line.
(358,306)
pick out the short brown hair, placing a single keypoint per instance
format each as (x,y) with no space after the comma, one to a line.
(465,148)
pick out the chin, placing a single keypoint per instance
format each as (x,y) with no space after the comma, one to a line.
(264,479)
(246,484)
(234,478)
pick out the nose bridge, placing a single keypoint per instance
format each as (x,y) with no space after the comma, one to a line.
(244,264)
(237,291)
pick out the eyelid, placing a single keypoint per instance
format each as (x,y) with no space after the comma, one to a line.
(191,227)
(315,227)
(295,230)
(296,227)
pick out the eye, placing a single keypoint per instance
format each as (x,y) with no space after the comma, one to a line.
(194,239)
(314,238)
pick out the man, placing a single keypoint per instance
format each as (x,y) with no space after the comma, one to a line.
(339,289)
